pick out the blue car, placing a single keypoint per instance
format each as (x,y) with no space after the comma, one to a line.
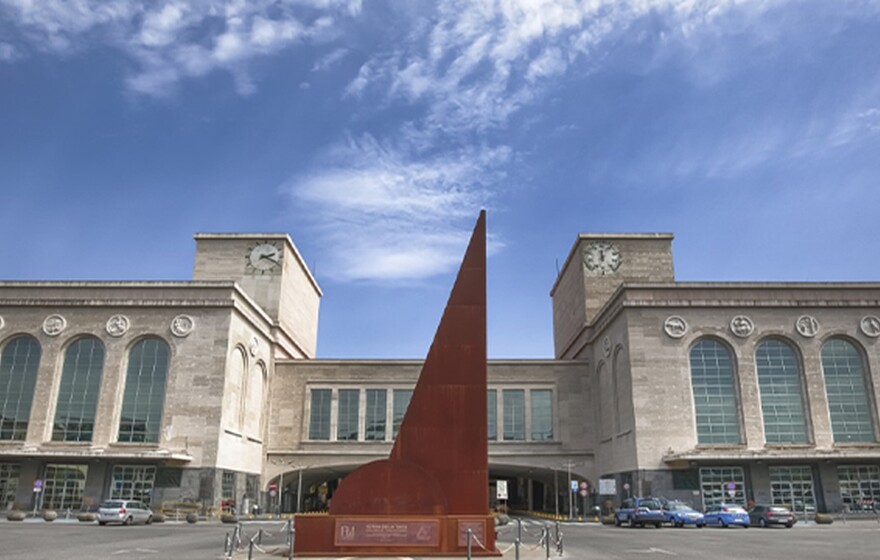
(679,514)
(725,515)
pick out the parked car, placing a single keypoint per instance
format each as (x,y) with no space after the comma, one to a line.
(679,514)
(725,515)
(640,511)
(126,512)
(764,516)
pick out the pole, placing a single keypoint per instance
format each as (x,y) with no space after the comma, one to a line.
(470,535)
(569,489)
(556,481)
(299,491)
(280,492)
(518,536)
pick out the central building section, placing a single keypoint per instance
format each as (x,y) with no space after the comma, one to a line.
(434,486)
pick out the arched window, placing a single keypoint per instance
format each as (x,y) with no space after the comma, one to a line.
(78,393)
(715,401)
(18,376)
(847,395)
(233,397)
(253,406)
(782,401)
(144,396)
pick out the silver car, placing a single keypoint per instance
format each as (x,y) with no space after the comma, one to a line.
(126,512)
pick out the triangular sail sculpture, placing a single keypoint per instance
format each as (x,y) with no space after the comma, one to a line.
(435,484)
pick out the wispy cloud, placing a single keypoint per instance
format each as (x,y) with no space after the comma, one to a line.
(388,214)
(175,40)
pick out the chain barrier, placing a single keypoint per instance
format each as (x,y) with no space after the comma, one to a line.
(239,539)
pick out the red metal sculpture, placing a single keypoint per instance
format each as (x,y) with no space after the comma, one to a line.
(434,486)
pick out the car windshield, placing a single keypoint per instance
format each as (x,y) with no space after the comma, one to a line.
(679,507)
(734,509)
(113,504)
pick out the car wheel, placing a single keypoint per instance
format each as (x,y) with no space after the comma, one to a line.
(789,525)
(617,522)
(723,524)
(700,525)
(632,522)
(102,523)
(762,523)
(658,524)
(150,520)
(127,521)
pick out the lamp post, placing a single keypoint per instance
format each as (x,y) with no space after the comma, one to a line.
(568,465)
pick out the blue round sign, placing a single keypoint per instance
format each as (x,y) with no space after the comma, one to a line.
(731,485)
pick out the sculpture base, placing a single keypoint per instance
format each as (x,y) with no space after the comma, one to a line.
(393,535)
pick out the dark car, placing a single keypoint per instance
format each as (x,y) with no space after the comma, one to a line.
(764,516)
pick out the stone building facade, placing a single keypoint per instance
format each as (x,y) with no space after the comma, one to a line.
(209,390)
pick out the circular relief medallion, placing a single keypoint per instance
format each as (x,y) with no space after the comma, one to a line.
(675,326)
(117,325)
(869,324)
(606,346)
(182,325)
(742,326)
(807,326)
(54,325)
(254,346)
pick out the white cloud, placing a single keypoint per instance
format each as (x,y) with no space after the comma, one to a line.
(388,214)
(7,52)
(174,40)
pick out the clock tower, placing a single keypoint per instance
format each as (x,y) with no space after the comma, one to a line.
(596,266)
(270,270)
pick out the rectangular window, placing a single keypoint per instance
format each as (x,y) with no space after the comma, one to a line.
(714,481)
(347,419)
(514,414)
(319,416)
(542,414)
(401,402)
(63,486)
(227,486)
(252,486)
(9,473)
(492,414)
(686,480)
(375,417)
(793,487)
(133,482)
(168,477)
(859,486)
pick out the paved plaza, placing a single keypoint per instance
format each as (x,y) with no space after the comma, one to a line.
(204,541)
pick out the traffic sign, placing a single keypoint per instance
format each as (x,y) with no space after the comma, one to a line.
(273,486)
(272,492)
(626,485)
(38,485)
(731,486)
(583,492)
(501,489)
(584,485)
(574,485)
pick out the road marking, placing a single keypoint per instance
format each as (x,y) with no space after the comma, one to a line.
(141,550)
(653,550)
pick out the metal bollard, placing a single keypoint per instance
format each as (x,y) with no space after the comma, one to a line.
(518,536)
(469,536)
(260,537)
(251,550)
(226,544)
(547,541)
(290,540)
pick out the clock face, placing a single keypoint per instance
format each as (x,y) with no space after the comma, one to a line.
(264,257)
(602,258)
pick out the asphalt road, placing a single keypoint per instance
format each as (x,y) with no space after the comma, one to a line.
(71,541)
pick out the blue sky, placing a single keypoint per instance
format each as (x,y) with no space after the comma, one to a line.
(373,132)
